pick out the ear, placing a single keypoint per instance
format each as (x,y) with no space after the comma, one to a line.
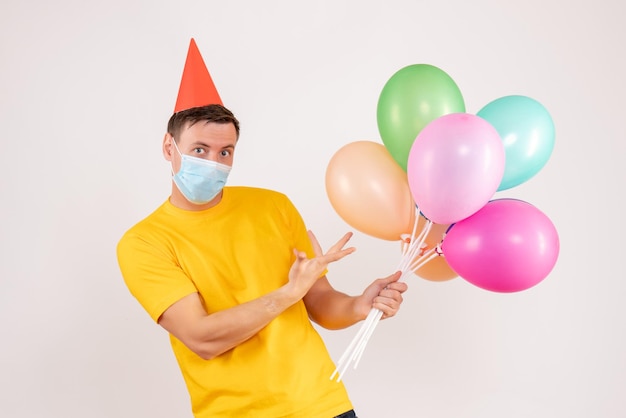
(168,147)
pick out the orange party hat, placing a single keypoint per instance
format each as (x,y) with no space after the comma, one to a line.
(196,87)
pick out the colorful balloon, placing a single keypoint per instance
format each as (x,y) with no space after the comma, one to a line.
(455,166)
(507,246)
(370,191)
(414,96)
(527,133)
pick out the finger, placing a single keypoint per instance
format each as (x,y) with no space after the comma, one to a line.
(300,255)
(390,295)
(317,248)
(336,256)
(400,287)
(392,278)
(341,243)
(388,309)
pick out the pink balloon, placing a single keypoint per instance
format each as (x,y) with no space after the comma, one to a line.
(455,166)
(507,246)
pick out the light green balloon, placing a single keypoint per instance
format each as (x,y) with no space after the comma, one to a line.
(527,132)
(414,96)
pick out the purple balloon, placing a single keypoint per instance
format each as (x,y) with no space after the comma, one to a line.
(455,166)
(507,246)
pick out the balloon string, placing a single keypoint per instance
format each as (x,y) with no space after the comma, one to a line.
(415,246)
(347,356)
(415,223)
(411,260)
(407,239)
(361,347)
(423,259)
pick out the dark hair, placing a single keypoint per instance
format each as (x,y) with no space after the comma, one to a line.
(213,113)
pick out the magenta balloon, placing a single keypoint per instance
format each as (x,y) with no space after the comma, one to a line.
(507,246)
(455,166)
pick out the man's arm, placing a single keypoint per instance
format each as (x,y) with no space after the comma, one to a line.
(335,310)
(210,335)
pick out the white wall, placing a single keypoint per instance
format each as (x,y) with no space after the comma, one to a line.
(86,89)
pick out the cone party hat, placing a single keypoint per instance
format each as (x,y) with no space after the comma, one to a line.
(196,87)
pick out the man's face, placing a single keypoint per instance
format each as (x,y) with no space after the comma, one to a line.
(210,141)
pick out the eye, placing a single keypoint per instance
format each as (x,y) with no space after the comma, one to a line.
(198,151)
(225,153)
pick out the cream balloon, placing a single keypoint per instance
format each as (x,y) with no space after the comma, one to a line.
(370,191)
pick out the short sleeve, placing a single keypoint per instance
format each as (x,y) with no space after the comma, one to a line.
(152,274)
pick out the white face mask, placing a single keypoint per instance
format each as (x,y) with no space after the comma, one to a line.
(200,180)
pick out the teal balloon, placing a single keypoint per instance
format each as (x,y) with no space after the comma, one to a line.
(413,97)
(527,132)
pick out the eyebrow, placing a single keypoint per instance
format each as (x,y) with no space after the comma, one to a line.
(202,144)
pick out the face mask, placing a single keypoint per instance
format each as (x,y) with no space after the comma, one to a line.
(199,180)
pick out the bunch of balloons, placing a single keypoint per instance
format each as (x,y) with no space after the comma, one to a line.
(431,186)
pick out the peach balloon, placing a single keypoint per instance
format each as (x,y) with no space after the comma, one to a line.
(436,270)
(370,191)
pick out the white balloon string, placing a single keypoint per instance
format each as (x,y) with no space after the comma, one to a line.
(361,347)
(354,346)
(407,239)
(420,262)
(410,261)
(344,359)
(415,246)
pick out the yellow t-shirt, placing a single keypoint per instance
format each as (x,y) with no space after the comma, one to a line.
(232,253)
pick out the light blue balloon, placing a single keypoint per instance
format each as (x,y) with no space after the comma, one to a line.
(527,132)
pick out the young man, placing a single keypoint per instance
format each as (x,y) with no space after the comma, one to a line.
(235,278)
